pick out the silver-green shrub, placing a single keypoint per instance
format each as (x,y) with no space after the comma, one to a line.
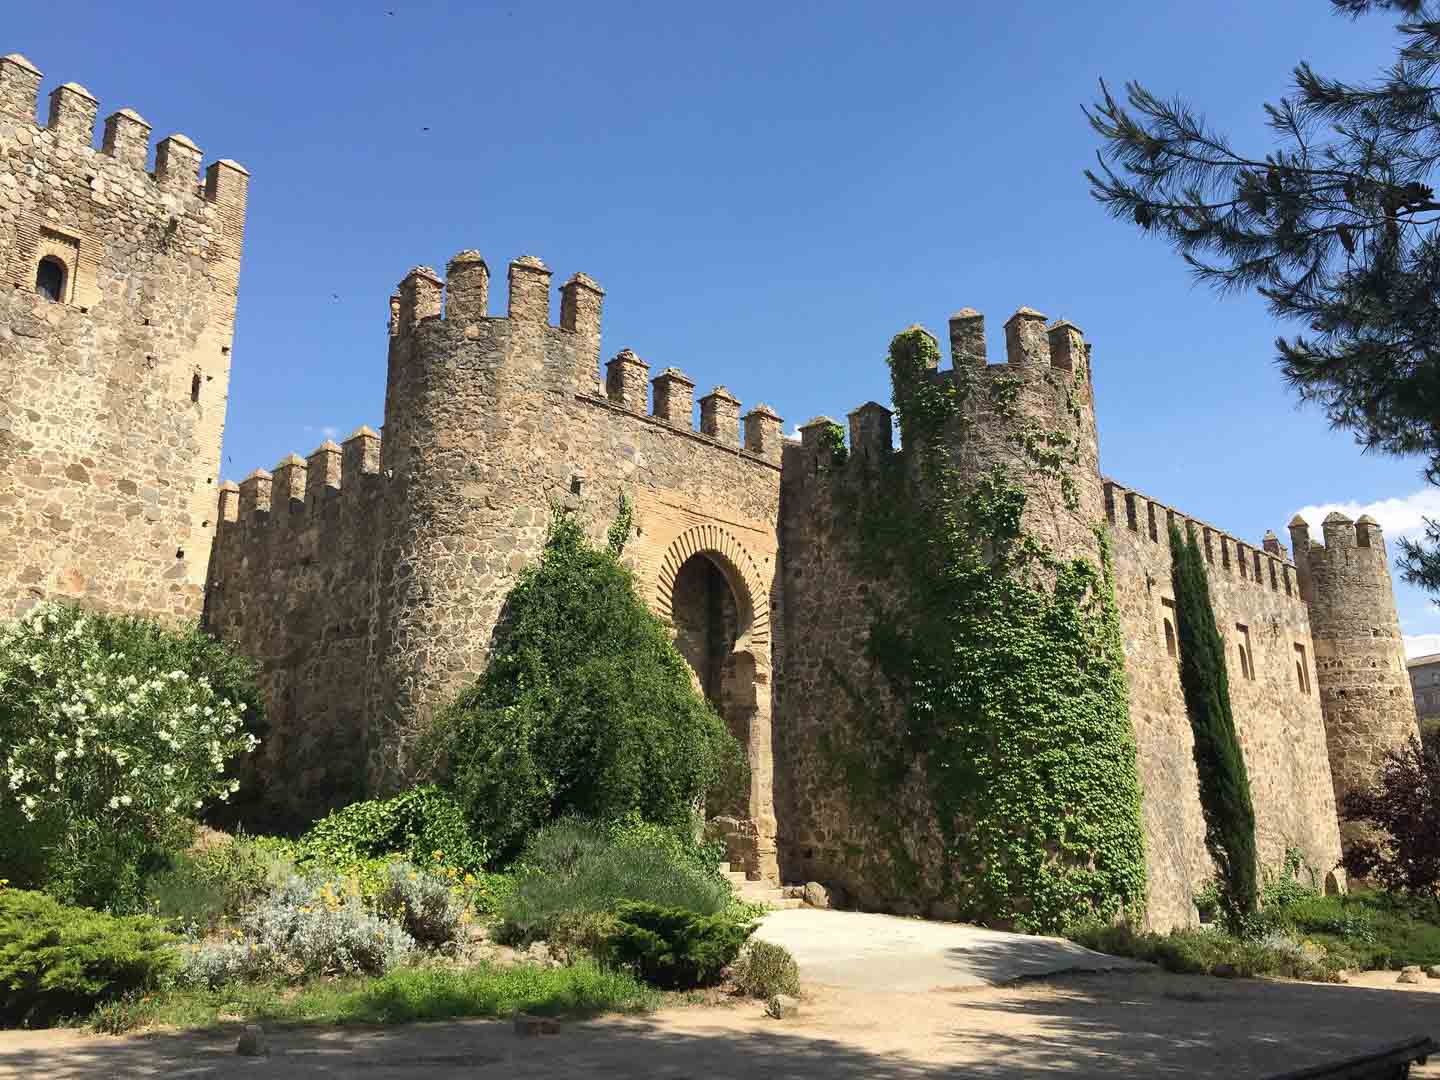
(431,907)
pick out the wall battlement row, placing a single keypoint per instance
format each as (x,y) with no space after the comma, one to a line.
(1028,342)
(1267,566)
(462,299)
(72,118)
(298,485)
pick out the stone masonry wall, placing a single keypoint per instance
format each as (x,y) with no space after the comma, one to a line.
(1359,652)
(1276,707)
(490,425)
(292,582)
(828,835)
(112,400)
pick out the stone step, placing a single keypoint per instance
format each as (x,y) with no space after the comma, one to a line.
(758,892)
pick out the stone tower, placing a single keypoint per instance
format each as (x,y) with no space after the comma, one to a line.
(116,319)
(466,397)
(1359,653)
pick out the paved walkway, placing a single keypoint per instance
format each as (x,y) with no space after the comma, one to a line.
(886,952)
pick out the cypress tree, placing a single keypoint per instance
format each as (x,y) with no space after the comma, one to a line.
(1224,782)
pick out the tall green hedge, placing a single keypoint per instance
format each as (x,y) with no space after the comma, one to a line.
(586,707)
(1224,781)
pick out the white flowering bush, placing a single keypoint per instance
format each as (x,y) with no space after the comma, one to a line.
(307,927)
(113,732)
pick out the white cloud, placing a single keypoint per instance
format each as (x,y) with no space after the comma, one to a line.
(330,431)
(1403,516)
(1421,645)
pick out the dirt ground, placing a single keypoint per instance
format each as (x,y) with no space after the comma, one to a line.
(1116,1025)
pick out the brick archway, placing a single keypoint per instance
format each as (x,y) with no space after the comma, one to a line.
(723,548)
(744,697)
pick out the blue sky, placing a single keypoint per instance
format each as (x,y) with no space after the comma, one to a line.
(767,193)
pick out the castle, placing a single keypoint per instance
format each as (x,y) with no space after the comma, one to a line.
(366,579)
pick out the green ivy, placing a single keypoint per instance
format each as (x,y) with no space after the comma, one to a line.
(1219,761)
(1008,663)
(832,444)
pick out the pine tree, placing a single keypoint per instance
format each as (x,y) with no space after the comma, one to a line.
(1224,781)
(1336,227)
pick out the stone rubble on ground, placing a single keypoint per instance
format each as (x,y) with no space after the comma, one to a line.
(782,1006)
(1411,973)
(253,1042)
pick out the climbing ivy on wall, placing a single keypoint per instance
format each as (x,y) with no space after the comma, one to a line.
(1007,664)
(1224,781)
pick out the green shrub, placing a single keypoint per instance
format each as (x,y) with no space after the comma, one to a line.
(308,927)
(765,969)
(574,865)
(415,824)
(586,707)
(1224,782)
(58,961)
(113,733)
(1204,951)
(431,907)
(574,935)
(676,949)
(204,886)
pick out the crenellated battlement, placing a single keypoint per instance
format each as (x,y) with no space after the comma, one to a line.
(570,349)
(300,486)
(71,122)
(1264,567)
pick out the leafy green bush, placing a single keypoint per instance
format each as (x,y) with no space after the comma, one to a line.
(431,907)
(1211,951)
(113,733)
(204,886)
(765,969)
(574,865)
(415,824)
(586,707)
(56,961)
(676,949)
(574,935)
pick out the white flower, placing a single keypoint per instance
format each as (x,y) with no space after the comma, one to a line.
(125,800)
(114,803)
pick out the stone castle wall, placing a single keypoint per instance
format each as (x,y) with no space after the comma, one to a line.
(826,834)
(112,396)
(490,425)
(1359,652)
(1276,705)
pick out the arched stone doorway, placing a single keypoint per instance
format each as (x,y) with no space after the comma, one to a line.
(708,592)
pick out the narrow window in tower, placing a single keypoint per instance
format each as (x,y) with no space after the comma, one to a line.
(1167,620)
(1247,656)
(1240,559)
(1302,669)
(195,387)
(1225,553)
(50,278)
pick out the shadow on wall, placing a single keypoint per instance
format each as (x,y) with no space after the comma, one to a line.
(1150,1025)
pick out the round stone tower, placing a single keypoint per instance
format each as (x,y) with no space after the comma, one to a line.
(1033,415)
(467,396)
(1364,689)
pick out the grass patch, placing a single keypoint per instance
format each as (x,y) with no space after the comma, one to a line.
(1212,952)
(1369,930)
(1307,936)
(401,997)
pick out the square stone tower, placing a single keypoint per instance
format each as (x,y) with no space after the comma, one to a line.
(117,312)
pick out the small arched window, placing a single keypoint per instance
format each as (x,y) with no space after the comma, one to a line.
(50,277)
(1244,662)
(1170,639)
